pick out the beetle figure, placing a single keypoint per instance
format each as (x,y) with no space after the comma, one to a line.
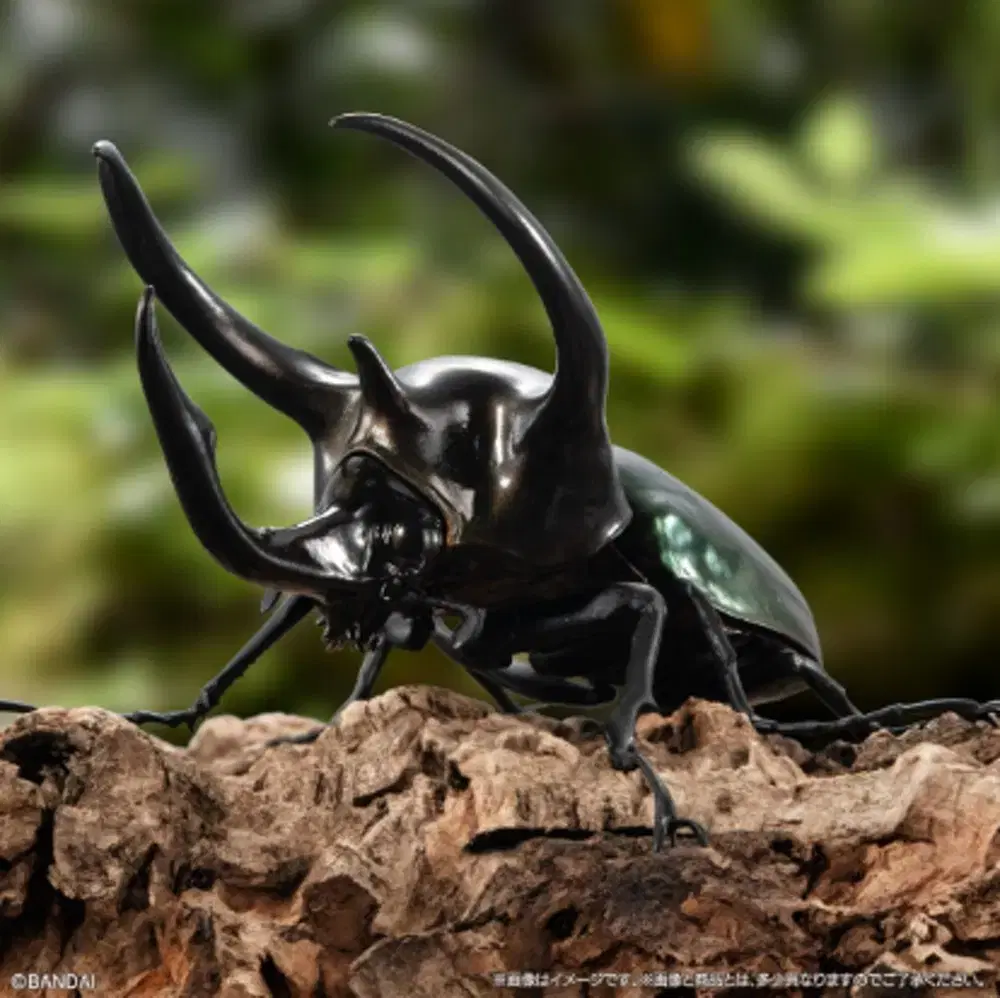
(476,488)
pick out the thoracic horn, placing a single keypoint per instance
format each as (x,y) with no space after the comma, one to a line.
(296,383)
(579,388)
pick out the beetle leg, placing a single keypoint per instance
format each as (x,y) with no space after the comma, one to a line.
(277,626)
(516,676)
(290,614)
(666,824)
(16,707)
(521,678)
(726,660)
(893,716)
(638,693)
(468,645)
(495,689)
(823,685)
(452,644)
(455,644)
(533,634)
(620,729)
(371,666)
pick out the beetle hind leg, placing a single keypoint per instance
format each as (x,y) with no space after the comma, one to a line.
(726,660)
(826,688)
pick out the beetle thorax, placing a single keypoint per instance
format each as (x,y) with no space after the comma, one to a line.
(462,433)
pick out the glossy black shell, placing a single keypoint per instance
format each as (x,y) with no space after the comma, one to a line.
(695,542)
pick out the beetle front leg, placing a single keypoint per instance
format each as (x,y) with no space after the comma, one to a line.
(533,633)
(292,612)
(280,623)
(17,707)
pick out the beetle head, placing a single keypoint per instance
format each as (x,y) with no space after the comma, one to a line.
(393,534)
(372,535)
(549,462)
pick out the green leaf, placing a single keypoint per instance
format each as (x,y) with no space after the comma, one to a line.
(63,208)
(766,184)
(838,142)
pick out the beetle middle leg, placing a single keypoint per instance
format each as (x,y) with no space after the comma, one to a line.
(638,693)
(555,630)
(519,677)
(485,667)
(371,666)
(826,688)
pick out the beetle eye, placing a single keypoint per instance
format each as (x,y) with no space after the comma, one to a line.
(397,537)
(399,541)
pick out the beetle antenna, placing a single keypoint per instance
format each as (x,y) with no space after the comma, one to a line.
(296,383)
(580,385)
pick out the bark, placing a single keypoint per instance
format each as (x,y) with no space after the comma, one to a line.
(430,842)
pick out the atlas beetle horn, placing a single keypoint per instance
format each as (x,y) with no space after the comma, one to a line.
(292,381)
(294,559)
(579,388)
(380,388)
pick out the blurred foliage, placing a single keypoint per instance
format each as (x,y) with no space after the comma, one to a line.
(881,237)
(786,213)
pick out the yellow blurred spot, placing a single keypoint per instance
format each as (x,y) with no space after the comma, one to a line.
(674,36)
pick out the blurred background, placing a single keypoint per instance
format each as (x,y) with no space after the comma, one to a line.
(787,213)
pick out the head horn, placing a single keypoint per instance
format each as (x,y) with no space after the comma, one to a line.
(279,559)
(292,381)
(579,388)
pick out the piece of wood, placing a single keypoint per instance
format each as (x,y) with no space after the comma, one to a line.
(430,843)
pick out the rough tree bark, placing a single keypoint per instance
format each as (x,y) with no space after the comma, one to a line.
(430,842)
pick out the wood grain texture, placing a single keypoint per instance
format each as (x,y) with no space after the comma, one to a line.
(429,842)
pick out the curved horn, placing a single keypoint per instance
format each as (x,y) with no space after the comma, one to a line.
(290,380)
(579,387)
(379,387)
(274,558)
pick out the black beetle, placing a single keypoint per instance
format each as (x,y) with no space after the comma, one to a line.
(480,489)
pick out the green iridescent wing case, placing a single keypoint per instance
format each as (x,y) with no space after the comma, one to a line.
(697,543)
